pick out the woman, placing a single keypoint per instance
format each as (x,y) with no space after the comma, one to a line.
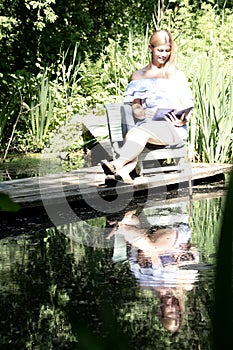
(155,92)
(156,257)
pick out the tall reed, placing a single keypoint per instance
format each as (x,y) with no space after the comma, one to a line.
(211,128)
(67,88)
(41,112)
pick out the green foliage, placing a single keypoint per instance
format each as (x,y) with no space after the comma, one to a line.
(48,104)
(41,28)
(4,115)
(106,79)
(89,69)
(6,204)
(11,104)
(44,12)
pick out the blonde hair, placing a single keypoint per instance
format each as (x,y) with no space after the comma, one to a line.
(173,322)
(163,37)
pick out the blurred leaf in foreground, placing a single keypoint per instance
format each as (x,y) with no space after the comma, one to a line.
(6,204)
(223,313)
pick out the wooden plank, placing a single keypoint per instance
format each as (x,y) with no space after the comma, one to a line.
(84,184)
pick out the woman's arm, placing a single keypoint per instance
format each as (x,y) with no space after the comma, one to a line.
(138,110)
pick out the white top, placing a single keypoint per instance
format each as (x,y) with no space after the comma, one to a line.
(172,93)
(167,272)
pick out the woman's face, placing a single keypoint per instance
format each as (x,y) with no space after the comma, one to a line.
(160,54)
(170,313)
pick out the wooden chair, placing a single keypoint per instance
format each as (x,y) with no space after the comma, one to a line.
(120,120)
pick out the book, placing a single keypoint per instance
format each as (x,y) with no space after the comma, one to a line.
(160,112)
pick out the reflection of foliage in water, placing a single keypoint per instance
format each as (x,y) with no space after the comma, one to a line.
(58,293)
(33,315)
(86,233)
(50,301)
(205,223)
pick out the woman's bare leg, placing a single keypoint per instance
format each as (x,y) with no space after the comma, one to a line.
(136,139)
(158,133)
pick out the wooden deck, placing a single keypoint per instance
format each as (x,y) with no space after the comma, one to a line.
(83,184)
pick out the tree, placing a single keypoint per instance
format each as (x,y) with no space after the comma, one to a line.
(39,30)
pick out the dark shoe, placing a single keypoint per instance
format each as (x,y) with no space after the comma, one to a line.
(111,181)
(136,172)
(108,167)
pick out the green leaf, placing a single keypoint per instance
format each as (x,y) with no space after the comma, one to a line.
(6,204)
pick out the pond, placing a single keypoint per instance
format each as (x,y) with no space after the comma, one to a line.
(141,278)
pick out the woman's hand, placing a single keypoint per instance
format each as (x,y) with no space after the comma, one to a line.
(138,110)
(174,120)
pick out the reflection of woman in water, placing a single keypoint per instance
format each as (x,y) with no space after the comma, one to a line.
(156,257)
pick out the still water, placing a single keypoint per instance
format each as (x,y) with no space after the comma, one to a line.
(138,279)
